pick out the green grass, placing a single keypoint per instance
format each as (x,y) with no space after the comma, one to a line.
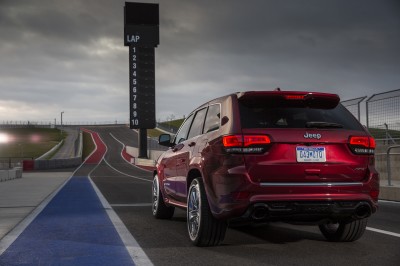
(174,123)
(50,155)
(153,133)
(29,142)
(88,145)
(378,133)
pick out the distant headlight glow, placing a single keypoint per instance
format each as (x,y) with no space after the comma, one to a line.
(4,138)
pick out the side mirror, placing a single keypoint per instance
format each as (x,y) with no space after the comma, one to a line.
(165,140)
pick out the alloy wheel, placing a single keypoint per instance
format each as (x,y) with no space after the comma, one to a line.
(194,211)
(155,194)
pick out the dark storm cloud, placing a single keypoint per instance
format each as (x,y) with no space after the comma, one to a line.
(69,55)
(346,47)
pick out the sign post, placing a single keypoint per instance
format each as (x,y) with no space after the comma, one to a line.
(141,34)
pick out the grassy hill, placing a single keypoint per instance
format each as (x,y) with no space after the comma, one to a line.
(173,123)
(28,142)
(378,133)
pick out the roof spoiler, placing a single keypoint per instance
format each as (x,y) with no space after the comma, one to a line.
(289,99)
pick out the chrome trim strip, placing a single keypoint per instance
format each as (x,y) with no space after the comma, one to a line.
(312,184)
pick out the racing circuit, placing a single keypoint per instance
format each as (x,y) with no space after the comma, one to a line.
(102,216)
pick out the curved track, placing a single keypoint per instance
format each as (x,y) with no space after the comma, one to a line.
(128,190)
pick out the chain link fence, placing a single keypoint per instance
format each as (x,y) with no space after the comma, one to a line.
(354,107)
(382,113)
(383,116)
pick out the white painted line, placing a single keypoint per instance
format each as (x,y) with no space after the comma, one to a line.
(137,254)
(123,147)
(144,179)
(135,251)
(383,232)
(117,169)
(132,205)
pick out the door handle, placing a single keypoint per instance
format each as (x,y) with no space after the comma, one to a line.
(191,144)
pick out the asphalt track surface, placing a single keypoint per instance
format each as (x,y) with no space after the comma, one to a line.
(165,242)
(67,150)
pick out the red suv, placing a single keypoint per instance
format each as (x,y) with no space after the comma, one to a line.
(265,156)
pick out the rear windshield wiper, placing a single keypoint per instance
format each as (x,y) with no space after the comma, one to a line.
(323,125)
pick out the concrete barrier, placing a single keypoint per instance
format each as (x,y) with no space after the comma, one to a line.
(132,151)
(57,163)
(151,154)
(78,151)
(10,174)
(381,162)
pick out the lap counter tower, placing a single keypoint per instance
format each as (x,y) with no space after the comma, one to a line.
(141,34)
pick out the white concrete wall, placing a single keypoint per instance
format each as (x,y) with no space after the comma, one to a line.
(10,174)
(151,154)
(381,162)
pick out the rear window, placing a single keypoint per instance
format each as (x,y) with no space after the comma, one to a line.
(297,117)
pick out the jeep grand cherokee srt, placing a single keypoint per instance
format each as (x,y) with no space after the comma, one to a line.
(265,156)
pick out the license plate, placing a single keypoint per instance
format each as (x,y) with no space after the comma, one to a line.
(311,154)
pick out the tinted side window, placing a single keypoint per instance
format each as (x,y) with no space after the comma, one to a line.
(183,131)
(198,122)
(295,117)
(213,118)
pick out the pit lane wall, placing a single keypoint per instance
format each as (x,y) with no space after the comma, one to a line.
(151,154)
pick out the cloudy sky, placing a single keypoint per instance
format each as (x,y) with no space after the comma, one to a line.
(69,55)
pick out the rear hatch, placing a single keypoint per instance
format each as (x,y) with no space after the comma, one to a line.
(312,138)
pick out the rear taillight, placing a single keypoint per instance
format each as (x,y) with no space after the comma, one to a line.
(246,143)
(362,144)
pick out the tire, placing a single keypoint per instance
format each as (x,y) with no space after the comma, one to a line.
(160,210)
(204,230)
(344,231)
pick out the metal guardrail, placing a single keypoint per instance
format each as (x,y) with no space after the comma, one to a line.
(388,164)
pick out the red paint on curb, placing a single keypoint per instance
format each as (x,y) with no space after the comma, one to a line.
(98,154)
(126,155)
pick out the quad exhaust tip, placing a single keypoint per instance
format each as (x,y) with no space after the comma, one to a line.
(259,213)
(363,211)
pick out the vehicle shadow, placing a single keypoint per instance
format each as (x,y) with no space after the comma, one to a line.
(274,233)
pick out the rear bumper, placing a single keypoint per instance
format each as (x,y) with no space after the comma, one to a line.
(235,196)
(306,212)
